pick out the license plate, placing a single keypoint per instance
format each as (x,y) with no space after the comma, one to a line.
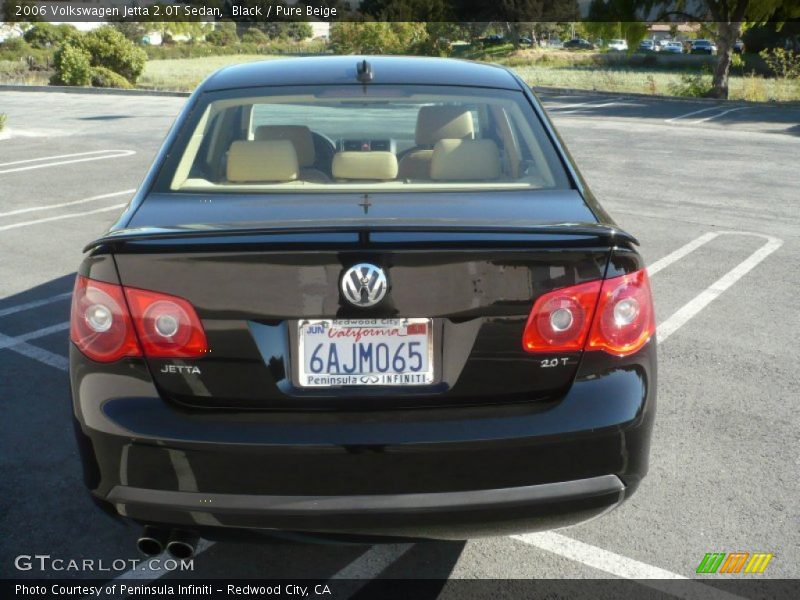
(363,352)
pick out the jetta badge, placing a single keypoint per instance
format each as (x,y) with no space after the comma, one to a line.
(364,285)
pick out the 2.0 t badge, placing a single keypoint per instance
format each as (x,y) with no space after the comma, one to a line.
(364,285)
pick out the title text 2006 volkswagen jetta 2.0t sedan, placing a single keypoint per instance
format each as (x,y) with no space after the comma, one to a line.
(367,297)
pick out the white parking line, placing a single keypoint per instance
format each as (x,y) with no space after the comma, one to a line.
(587,106)
(373,562)
(680,317)
(20,211)
(694,112)
(34,352)
(678,254)
(718,115)
(43,332)
(704,119)
(34,304)
(85,157)
(60,217)
(621,566)
(579,105)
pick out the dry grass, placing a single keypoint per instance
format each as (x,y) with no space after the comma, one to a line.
(587,71)
(656,82)
(183,74)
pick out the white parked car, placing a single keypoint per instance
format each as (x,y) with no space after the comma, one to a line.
(647,46)
(618,45)
(660,45)
(673,47)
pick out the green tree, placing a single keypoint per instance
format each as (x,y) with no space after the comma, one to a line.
(254,36)
(46,35)
(520,16)
(110,49)
(72,66)
(725,18)
(133,30)
(377,37)
(293,30)
(223,35)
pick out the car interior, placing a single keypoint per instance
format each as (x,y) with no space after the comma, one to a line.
(450,143)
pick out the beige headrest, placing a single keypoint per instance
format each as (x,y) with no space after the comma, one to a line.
(364,165)
(465,160)
(299,135)
(273,160)
(436,123)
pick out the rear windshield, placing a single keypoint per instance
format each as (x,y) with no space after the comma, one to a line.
(374,137)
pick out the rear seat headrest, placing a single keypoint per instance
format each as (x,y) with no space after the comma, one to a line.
(299,135)
(268,160)
(436,123)
(465,160)
(380,166)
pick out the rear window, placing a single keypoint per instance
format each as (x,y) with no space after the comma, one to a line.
(374,137)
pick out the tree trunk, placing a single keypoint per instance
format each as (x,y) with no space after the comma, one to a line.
(727,35)
(513,30)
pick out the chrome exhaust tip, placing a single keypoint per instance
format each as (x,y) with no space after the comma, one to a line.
(152,540)
(182,544)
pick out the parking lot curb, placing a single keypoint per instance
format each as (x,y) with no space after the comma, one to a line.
(65,89)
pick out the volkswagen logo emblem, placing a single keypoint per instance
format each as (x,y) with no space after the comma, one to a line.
(364,285)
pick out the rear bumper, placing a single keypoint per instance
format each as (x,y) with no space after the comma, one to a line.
(442,514)
(453,472)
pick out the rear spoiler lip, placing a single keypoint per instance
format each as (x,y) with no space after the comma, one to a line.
(138,234)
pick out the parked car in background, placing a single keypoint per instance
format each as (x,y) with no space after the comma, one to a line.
(660,45)
(738,47)
(493,40)
(555,43)
(673,47)
(704,47)
(618,45)
(578,44)
(647,46)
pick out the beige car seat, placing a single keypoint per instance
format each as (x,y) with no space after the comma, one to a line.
(434,123)
(262,161)
(300,136)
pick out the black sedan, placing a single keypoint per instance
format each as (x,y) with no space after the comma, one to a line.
(369,297)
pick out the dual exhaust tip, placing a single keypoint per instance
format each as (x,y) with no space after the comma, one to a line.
(178,543)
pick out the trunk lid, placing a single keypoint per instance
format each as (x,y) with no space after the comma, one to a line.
(254,267)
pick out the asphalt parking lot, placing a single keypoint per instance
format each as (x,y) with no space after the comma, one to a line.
(711,190)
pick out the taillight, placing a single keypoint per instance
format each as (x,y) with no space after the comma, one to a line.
(168,326)
(614,315)
(560,320)
(100,325)
(625,318)
(104,329)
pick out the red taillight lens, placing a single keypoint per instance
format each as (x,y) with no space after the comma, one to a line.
(614,315)
(168,326)
(625,318)
(560,320)
(100,325)
(104,330)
